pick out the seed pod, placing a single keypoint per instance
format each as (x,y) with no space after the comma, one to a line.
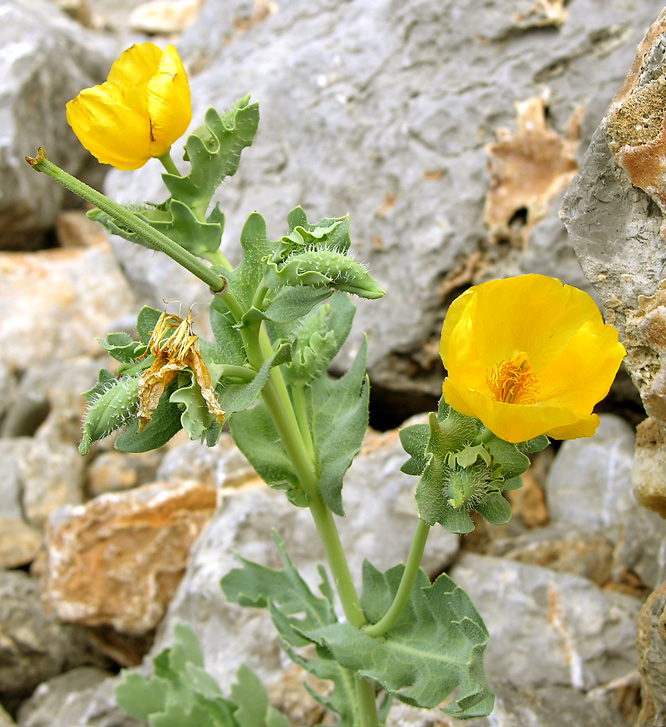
(112,403)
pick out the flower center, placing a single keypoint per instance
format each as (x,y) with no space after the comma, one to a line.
(514,381)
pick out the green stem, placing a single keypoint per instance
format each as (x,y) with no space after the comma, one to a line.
(390,618)
(217,257)
(129,220)
(367,704)
(298,392)
(168,163)
(229,371)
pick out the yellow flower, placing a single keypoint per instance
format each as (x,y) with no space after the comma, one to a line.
(138,112)
(528,356)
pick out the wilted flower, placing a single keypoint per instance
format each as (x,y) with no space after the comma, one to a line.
(138,112)
(528,356)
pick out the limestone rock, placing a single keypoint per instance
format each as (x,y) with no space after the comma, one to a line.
(54,303)
(548,628)
(5,719)
(589,478)
(19,543)
(114,471)
(164,16)
(400,109)
(649,463)
(46,59)
(118,559)
(651,644)
(52,477)
(33,646)
(80,698)
(74,229)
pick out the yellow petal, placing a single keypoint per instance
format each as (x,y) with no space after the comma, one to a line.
(111,131)
(132,72)
(168,96)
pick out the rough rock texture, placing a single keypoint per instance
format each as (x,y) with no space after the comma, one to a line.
(118,559)
(80,698)
(384,110)
(54,303)
(33,646)
(549,628)
(46,60)
(613,212)
(651,644)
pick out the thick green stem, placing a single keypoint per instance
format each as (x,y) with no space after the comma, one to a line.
(229,371)
(129,220)
(390,618)
(168,163)
(366,700)
(300,409)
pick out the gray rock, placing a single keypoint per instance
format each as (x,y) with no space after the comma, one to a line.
(46,59)
(517,707)
(385,114)
(52,475)
(590,479)
(7,387)
(33,646)
(11,487)
(5,719)
(80,698)
(651,645)
(547,628)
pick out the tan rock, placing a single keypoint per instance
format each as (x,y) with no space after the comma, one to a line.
(651,646)
(647,474)
(163,17)
(74,229)
(118,559)
(19,543)
(115,471)
(54,303)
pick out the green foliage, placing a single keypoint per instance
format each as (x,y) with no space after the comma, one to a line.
(462,467)
(436,646)
(213,151)
(294,610)
(182,694)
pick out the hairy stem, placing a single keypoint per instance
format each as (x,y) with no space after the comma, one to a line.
(129,220)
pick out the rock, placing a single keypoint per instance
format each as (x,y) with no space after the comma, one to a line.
(114,471)
(74,229)
(5,719)
(401,107)
(46,59)
(54,303)
(164,16)
(375,492)
(80,698)
(11,487)
(589,555)
(49,404)
(649,462)
(222,466)
(590,477)
(517,707)
(651,645)
(19,543)
(8,385)
(33,646)
(52,477)
(547,628)
(118,559)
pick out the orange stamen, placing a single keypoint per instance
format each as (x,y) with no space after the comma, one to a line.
(514,381)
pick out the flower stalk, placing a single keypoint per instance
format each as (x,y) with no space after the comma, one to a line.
(129,220)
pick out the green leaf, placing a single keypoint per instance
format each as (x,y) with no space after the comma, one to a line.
(339,415)
(534,445)
(238,397)
(252,700)
(229,345)
(195,418)
(414,440)
(513,462)
(290,304)
(435,648)
(146,322)
(164,424)
(255,435)
(495,509)
(123,347)
(294,608)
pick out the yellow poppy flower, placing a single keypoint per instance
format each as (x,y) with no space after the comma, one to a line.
(138,112)
(528,356)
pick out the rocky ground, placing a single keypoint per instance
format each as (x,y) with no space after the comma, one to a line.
(450,132)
